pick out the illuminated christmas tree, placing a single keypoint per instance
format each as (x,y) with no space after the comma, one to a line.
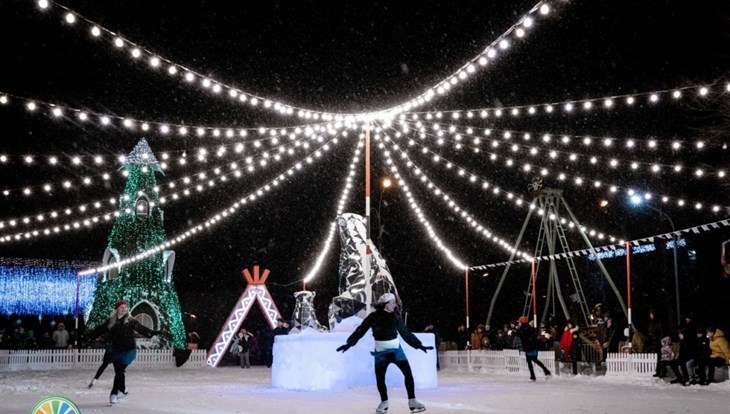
(146,284)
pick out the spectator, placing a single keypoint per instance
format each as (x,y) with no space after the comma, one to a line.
(244,348)
(45,341)
(566,341)
(667,356)
(679,364)
(462,338)
(477,336)
(613,336)
(653,336)
(720,352)
(61,337)
(282,328)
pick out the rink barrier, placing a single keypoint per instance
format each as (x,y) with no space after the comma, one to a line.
(507,361)
(39,359)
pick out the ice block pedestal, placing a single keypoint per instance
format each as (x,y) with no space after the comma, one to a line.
(309,361)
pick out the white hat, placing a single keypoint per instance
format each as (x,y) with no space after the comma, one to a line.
(386,297)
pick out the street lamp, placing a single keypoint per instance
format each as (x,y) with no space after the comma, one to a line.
(637,200)
(385,183)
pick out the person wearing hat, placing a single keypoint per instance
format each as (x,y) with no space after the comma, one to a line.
(122,327)
(386,324)
(528,336)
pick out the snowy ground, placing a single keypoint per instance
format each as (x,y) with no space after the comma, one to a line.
(235,390)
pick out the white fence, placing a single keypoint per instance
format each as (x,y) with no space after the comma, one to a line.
(511,360)
(15,360)
(508,360)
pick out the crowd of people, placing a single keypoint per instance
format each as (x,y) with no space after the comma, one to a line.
(16,336)
(691,352)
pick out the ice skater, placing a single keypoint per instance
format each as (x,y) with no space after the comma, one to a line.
(386,324)
(528,336)
(122,326)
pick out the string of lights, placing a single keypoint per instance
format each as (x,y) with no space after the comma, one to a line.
(158,63)
(443,196)
(205,182)
(491,189)
(416,208)
(342,202)
(605,143)
(199,155)
(215,219)
(577,180)
(134,125)
(573,106)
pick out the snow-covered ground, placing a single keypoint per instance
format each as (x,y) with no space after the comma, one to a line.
(249,391)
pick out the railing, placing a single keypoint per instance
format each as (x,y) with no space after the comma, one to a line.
(15,360)
(508,360)
(511,360)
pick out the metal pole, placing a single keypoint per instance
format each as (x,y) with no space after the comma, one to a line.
(466,278)
(366,264)
(628,288)
(76,312)
(674,254)
(534,294)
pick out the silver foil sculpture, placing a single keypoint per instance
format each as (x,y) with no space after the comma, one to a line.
(352,279)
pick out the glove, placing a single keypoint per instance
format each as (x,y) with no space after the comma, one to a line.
(343,348)
(425,348)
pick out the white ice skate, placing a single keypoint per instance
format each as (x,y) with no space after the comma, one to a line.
(382,407)
(112,398)
(416,406)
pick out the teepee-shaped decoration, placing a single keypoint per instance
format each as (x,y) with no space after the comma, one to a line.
(255,291)
(147,284)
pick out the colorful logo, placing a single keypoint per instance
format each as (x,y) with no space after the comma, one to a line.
(55,404)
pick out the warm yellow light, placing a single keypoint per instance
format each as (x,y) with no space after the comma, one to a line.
(387,183)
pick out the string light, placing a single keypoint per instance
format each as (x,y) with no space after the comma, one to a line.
(613,163)
(446,198)
(340,209)
(492,189)
(587,105)
(213,220)
(220,151)
(133,125)
(427,227)
(76,222)
(515,32)
(43,287)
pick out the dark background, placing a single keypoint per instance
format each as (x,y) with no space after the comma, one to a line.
(368,55)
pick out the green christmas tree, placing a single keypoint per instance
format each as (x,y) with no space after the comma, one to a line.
(146,284)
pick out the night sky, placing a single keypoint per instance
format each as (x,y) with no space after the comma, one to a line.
(363,56)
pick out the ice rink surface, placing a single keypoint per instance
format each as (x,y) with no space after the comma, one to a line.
(235,390)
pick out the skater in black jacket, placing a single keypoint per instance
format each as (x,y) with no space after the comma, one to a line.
(528,335)
(386,324)
(122,326)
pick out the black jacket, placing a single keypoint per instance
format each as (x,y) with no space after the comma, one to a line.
(528,336)
(122,334)
(385,326)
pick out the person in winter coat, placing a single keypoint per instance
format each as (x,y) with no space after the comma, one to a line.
(666,355)
(244,347)
(679,363)
(477,336)
(528,337)
(701,357)
(122,327)
(720,352)
(653,336)
(566,341)
(61,337)
(386,324)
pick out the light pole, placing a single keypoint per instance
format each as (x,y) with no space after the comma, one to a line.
(637,201)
